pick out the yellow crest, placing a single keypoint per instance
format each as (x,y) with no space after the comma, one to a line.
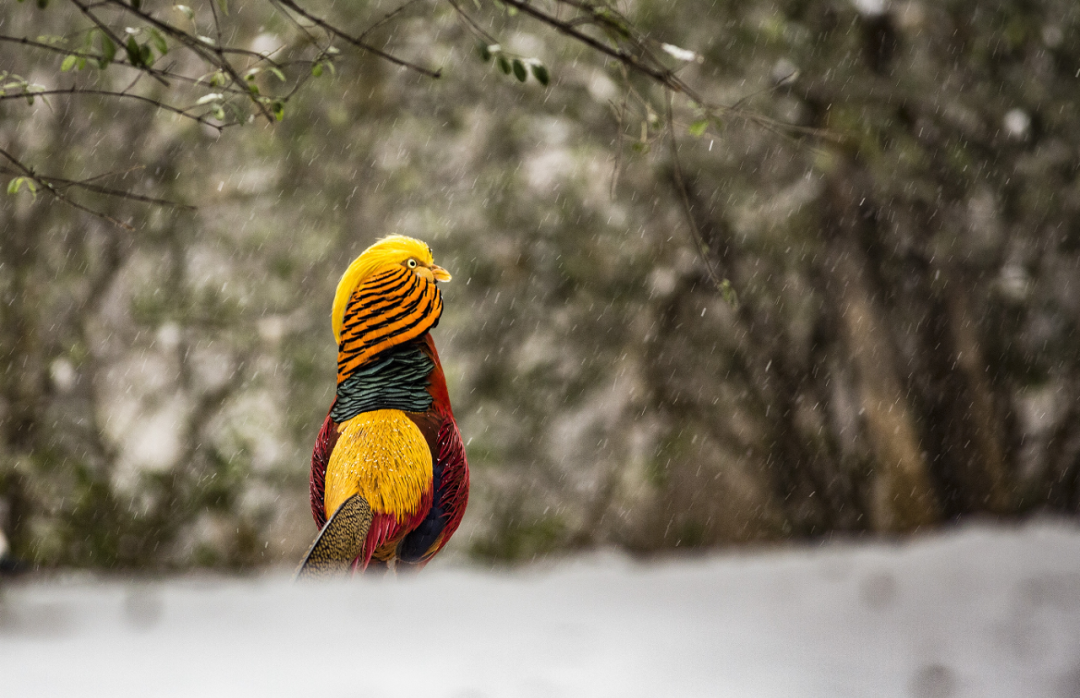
(389,251)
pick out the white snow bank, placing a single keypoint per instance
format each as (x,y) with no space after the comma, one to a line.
(980,612)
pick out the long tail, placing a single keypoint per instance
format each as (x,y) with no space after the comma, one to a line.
(339,542)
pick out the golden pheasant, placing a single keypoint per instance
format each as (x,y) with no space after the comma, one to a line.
(389,479)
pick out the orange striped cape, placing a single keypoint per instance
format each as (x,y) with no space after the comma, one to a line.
(388,308)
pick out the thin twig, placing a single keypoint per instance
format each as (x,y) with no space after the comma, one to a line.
(472,24)
(48,47)
(652,68)
(386,18)
(296,23)
(217,24)
(45,185)
(119,193)
(326,26)
(214,55)
(120,173)
(620,113)
(663,76)
(109,93)
(106,30)
(772,88)
(698,238)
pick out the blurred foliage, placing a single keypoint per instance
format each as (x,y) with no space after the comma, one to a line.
(901,353)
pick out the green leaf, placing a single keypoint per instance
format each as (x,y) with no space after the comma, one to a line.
(224,5)
(698,128)
(134,52)
(68,63)
(219,113)
(540,72)
(519,70)
(280,75)
(504,64)
(316,70)
(108,51)
(159,41)
(279,110)
(217,79)
(728,294)
(484,50)
(15,184)
(146,54)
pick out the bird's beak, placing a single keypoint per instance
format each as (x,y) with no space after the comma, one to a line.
(439,273)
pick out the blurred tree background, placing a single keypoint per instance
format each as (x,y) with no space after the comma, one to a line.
(895,348)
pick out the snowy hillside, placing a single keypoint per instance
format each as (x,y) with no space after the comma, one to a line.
(979,612)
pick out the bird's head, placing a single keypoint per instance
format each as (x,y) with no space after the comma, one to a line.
(392,250)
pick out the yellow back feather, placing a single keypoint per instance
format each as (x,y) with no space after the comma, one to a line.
(383,456)
(392,249)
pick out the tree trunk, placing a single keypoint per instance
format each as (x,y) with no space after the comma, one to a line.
(901,492)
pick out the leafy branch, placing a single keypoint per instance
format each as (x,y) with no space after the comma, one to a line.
(218,84)
(642,55)
(638,54)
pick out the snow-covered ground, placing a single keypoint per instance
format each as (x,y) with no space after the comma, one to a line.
(978,612)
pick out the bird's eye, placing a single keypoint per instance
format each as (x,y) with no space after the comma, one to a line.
(411,264)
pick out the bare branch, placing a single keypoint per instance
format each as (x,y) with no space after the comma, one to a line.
(386,18)
(48,47)
(699,240)
(471,23)
(357,42)
(110,93)
(110,191)
(217,23)
(56,185)
(46,186)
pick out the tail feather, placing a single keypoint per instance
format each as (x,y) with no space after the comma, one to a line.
(339,542)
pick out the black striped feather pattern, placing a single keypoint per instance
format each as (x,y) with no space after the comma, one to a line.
(386,310)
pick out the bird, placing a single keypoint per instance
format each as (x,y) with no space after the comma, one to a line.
(389,477)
